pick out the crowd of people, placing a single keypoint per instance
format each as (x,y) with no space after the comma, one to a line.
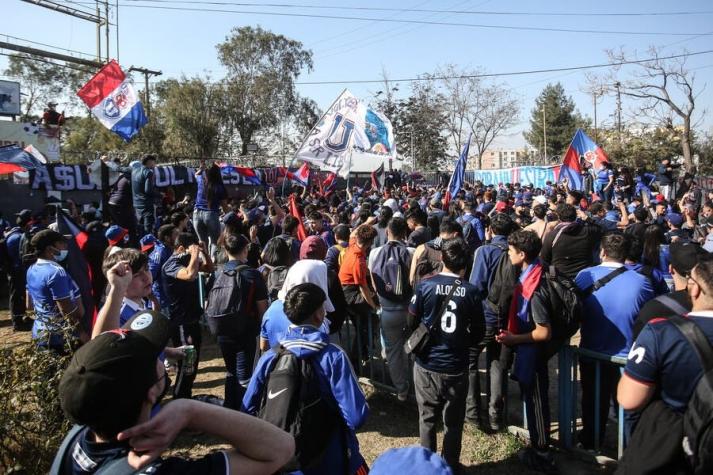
(300,288)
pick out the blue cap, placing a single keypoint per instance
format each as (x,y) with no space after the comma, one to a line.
(411,460)
(147,242)
(612,216)
(115,234)
(229,218)
(674,219)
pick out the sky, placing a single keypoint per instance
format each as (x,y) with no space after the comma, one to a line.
(183,42)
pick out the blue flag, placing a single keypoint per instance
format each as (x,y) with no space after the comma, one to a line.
(456,183)
(14,158)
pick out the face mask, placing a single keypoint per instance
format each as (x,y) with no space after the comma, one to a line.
(61,255)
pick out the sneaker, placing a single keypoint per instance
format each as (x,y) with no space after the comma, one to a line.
(21,325)
(403,397)
(538,461)
(495,423)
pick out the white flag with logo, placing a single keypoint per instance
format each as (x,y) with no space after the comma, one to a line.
(348,130)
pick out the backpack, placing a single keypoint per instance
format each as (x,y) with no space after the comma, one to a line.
(117,466)
(470,235)
(275,279)
(225,304)
(501,288)
(292,401)
(428,264)
(566,305)
(391,272)
(698,418)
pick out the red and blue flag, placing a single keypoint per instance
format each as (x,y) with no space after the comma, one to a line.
(14,158)
(249,176)
(301,176)
(581,148)
(456,182)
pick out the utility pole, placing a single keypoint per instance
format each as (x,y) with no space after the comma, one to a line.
(116,10)
(617,85)
(595,95)
(413,151)
(99,33)
(106,26)
(146,73)
(544,131)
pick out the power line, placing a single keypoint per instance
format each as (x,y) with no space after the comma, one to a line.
(512,73)
(421,10)
(418,22)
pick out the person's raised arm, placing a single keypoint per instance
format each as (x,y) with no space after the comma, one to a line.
(258,447)
(279,212)
(191,272)
(119,277)
(624,221)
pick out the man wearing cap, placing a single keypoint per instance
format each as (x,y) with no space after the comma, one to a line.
(664,177)
(117,236)
(110,388)
(143,194)
(683,258)
(675,232)
(51,117)
(159,254)
(16,270)
(53,293)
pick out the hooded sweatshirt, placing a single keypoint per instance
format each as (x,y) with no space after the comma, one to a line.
(336,380)
(570,247)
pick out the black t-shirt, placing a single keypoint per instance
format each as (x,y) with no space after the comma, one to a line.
(84,456)
(655,309)
(419,236)
(182,295)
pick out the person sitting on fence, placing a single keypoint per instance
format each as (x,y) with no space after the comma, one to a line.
(110,388)
(613,298)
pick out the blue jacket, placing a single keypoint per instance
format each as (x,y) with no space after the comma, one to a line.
(142,187)
(336,377)
(484,263)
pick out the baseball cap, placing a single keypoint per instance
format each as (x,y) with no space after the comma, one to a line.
(501,206)
(313,248)
(540,199)
(108,377)
(115,234)
(254,214)
(674,218)
(24,216)
(684,255)
(45,238)
(230,218)
(147,242)
(411,460)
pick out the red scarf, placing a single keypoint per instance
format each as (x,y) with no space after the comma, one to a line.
(524,289)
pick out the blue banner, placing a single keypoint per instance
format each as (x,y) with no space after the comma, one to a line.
(537,176)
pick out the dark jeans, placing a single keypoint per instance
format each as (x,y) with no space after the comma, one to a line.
(441,395)
(537,403)
(184,380)
(238,354)
(360,314)
(608,380)
(497,360)
(124,216)
(146,218)
(16,287)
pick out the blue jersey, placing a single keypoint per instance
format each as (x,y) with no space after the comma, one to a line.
(275,324)
(157,259)
(129,308)
(460,326)
(609,313)
(662,357)
(47,282)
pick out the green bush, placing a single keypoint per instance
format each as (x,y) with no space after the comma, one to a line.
(32,424)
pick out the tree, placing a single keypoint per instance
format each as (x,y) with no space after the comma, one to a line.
(475,107)
(560,118)
(704,148)
(193,111)
(260,84)
(665,91)
(640,146)
(43,81)
(423,116)
(84,136)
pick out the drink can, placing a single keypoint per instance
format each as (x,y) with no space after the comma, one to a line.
(189,359)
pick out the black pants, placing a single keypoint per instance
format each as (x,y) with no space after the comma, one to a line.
(498,359)
(609,379)
(359,314)
(16,285)
(238,354)
(146,218)
(441,395)
(185,378)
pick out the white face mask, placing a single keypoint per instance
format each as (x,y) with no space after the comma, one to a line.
(61,255)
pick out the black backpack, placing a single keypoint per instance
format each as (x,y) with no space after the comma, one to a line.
(292,401)
(391,272)
(223,310)
(501,288)
(428,264)
(566,305)
(275,279)
(698,418)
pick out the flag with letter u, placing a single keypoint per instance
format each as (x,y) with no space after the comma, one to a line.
(113,100)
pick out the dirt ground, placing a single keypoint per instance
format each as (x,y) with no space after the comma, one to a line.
(390,423)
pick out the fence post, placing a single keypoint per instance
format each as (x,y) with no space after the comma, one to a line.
(565,404)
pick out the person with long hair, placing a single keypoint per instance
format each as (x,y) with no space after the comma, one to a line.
(209,195)
(656,252)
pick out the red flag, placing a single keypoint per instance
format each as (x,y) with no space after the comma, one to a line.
(295,211)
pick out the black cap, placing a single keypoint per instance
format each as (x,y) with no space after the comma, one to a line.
(684,256)
(24,217)
(45,238)
(108,378)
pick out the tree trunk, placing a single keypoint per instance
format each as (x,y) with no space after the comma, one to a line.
(686,144)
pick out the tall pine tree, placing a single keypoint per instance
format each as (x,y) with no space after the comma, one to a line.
(561,118)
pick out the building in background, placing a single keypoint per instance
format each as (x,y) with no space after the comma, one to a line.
(494,159)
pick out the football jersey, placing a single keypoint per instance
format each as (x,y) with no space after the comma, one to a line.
(662,357)
(460,326)
(47,282)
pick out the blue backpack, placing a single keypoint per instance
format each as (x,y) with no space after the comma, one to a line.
(391,272)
